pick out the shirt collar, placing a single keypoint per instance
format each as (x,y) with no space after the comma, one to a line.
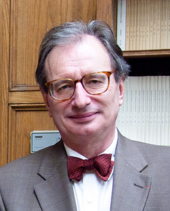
(110,150)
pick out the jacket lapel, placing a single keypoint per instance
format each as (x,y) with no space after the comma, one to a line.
(55,193)
(131,187)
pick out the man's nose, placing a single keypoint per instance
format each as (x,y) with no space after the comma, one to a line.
(80,98)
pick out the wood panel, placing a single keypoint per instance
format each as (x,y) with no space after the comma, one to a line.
(23,119)
(4,58)
(25,97)
(30,20)
(23,24)
(106,11)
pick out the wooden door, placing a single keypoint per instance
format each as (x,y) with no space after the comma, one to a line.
(23,24)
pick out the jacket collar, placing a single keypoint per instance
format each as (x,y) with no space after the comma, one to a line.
(131,187)
(55,192)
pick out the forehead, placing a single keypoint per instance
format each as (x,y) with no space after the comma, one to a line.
(83,57)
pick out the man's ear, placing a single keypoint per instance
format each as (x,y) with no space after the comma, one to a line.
(121,91)
(45,98)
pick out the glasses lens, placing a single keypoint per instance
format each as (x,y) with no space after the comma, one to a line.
(62,89)
(95,83)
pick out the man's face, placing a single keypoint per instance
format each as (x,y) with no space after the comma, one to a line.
(84,115)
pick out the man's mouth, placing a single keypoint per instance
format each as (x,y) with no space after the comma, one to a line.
(84,117)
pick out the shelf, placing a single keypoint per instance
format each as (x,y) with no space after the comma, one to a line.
(145,66)
(147,53)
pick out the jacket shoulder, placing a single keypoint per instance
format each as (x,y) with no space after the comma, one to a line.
(30,162)
(150,152)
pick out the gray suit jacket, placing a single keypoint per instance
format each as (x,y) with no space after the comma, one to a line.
(40,181)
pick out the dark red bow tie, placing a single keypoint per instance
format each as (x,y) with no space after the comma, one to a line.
(102,164)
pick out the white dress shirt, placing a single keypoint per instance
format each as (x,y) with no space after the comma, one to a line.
(92,193)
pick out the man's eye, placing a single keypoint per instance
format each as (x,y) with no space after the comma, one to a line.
(63,88)
(95,81)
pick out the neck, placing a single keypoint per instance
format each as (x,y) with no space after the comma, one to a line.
(89,146)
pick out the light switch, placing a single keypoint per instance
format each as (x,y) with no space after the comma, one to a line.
(43,139)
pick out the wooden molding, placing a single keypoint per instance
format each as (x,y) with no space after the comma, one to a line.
(25,97)
(23,119)
(4,59)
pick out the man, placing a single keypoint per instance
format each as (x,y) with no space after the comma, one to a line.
(81,75)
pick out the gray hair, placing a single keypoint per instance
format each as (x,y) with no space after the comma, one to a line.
(72,32)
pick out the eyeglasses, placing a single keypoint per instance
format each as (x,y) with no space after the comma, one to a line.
(94,84)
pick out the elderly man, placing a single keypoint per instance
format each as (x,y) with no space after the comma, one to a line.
(81,73)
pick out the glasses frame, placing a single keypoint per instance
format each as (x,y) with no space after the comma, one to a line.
(108,73)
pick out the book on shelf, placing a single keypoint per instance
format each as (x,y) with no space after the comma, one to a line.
(143,24)
(145,113)
(121,16)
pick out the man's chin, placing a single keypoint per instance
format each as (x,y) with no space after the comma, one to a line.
(83,130)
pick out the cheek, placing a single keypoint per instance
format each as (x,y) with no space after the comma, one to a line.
(57,111)
(49,112)
(53,107)
(112,100)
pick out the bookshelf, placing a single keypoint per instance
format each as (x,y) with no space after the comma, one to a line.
(148,62)
(146,19)
(145,41)
(147,53)
(149,66)
(146,22)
